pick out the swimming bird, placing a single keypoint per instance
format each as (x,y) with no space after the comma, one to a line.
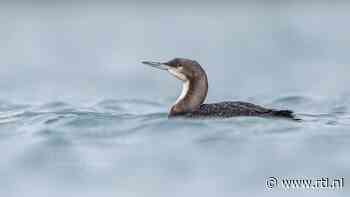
(194,93)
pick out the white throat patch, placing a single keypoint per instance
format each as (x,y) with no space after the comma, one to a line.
(185,85)
(185,88)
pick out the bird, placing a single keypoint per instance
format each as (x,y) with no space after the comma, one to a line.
(190,103)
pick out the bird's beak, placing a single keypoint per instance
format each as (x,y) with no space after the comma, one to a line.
(159,65)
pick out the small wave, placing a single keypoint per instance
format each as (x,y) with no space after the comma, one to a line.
(293,100)
(57,106)
(8,106)
(131,106)
(340,110)
(111,102)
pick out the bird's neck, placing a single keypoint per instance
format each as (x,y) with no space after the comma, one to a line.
(194,92)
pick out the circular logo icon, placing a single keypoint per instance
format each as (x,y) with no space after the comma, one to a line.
(271,182)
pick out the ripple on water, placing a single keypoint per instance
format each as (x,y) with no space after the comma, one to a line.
(293,100)
(116,118)
(129,106)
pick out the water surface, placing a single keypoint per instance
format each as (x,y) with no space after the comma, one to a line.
(130,147)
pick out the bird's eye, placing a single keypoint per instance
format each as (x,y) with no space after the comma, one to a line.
(178,65)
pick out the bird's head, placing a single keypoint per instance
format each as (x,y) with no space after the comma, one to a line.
(181,68)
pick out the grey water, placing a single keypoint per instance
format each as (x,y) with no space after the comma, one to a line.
(80,116)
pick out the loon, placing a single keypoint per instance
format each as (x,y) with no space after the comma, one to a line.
(194,92)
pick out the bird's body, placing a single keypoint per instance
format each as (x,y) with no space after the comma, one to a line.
(194,92)
(229,109)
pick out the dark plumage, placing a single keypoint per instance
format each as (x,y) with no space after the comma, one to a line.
(195,88)
(236,108)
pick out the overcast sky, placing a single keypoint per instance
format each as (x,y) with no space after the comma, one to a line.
(90,51)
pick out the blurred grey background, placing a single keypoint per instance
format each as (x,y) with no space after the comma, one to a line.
(83,51)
